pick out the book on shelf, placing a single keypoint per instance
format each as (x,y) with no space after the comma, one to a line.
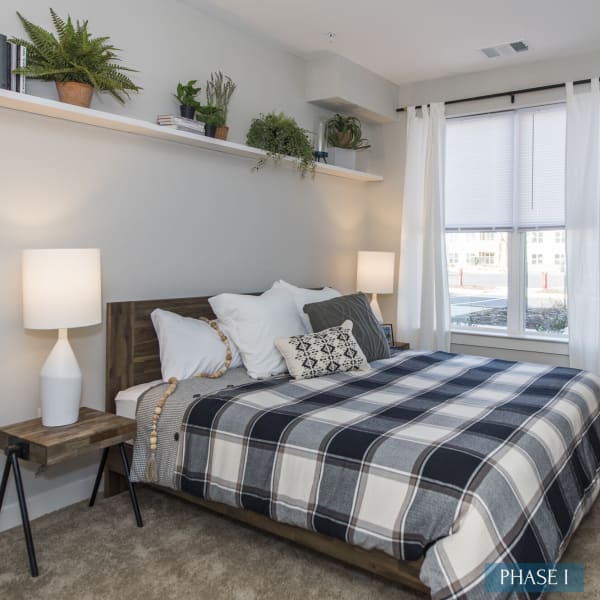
(21,63)
(4,63)
(12,56)
(12,66)
(181,123)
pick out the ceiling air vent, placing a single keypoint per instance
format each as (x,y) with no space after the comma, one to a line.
(519,46)
(505,49)
(491,52)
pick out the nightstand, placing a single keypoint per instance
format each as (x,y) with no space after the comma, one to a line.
(30,440)
(400,346)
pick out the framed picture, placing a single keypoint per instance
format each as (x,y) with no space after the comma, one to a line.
(388,331)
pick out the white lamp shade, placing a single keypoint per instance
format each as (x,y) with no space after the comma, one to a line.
(375,272)
(61,288)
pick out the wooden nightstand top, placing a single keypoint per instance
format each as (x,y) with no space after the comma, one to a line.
(401,345)
(50,445)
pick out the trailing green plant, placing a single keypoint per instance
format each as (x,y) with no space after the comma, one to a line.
(346,132)
(186,94)
(219,89)
(74,56)
(211,115)
(281,136)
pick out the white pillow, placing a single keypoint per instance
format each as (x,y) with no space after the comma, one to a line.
(304,296)
(190,346)
(253,322)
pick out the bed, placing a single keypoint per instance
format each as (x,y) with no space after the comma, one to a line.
(509,456)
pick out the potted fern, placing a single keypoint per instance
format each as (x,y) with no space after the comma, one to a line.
(344,136)
(219,89)
(281,136)
(77,62)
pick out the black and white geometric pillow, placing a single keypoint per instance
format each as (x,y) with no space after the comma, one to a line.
(334,350)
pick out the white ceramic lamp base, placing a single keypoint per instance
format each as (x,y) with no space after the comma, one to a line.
(375,308)
(60,385)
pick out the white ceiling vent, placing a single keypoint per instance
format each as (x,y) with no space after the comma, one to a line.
(506,49)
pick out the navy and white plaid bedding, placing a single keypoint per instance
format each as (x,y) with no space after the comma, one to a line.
(464,460)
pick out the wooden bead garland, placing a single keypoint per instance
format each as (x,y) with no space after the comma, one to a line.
(151,465)
(225,341)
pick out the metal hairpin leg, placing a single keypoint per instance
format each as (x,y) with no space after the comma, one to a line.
(132,494)
(5,476)
(131,486)
(13,453)
(99,475)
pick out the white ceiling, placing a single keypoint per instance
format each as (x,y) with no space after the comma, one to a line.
(421,39)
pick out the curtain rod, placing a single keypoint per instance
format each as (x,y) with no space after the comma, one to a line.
(512,94)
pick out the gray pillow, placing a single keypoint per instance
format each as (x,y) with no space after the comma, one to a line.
(355,307)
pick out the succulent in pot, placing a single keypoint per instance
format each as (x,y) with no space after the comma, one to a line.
(186,95)
(212,117)
(344,137)
(78,63)
(219,89)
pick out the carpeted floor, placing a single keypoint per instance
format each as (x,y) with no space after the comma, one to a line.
(185,552)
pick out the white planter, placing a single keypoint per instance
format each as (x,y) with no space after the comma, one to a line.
(342,157)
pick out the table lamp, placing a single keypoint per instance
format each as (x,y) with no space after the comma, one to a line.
(375,275)
(61,289)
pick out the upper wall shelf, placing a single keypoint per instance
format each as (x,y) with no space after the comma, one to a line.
(76,114)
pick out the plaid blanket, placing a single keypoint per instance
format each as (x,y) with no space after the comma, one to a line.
(463,460)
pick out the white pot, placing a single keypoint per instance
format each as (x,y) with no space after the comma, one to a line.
(342,157)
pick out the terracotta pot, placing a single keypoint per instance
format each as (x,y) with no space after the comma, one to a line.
(72,92)
(222,132)
(344,138)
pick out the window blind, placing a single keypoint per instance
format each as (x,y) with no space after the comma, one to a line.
(506,171)
(479,172)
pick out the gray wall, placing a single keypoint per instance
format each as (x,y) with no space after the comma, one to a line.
(170,220)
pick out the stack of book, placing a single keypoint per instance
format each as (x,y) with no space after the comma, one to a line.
(12,56)
(181,123)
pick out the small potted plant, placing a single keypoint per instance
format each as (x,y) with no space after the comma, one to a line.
(78,63)
(281,136)
(212,117)
(186,95)
(219,89)
(344,136)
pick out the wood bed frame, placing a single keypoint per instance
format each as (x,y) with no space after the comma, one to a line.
(132,357)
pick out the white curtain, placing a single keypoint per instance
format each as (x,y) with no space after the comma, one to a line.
(423,308)
(583,226)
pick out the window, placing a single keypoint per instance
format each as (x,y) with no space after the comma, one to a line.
(505,175)
(487,258)
(478,292)
(537,237)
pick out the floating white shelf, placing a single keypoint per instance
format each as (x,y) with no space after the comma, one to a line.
(88,116)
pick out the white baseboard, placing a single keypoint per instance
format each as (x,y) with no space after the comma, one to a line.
(47,502)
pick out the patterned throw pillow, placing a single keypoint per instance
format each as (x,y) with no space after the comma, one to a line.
(334,350)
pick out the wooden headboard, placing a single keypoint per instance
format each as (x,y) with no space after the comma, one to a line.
(132,354)
(131,345)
